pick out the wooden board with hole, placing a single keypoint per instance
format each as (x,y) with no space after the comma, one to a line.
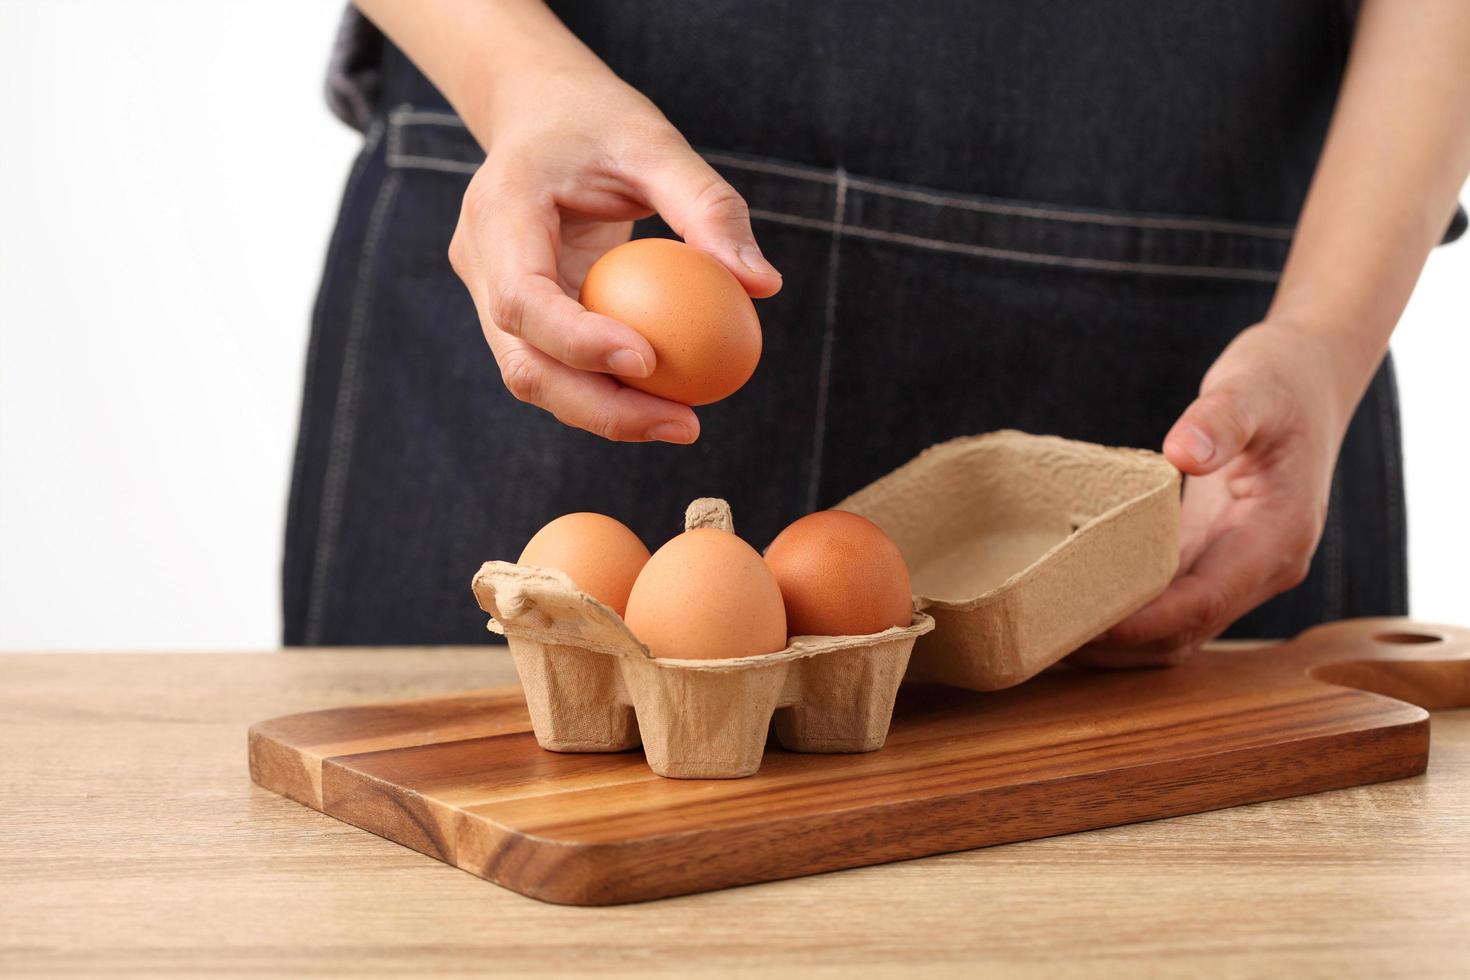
(462,779)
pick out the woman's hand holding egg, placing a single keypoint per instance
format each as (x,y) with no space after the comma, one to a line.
(574,156)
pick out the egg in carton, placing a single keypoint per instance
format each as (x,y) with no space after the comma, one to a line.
(591,686)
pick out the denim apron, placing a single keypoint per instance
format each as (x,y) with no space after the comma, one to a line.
(1050,217)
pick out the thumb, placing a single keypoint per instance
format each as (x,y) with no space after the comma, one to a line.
(705,211)
(1214,429)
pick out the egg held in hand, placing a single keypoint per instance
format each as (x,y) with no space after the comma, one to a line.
(602,556)
(707,595)
(840,575)
(702,326)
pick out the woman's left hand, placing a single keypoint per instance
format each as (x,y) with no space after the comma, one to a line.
(1257,448)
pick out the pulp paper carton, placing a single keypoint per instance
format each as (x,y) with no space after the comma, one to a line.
(1021,548)
(591,686)
(1024,547)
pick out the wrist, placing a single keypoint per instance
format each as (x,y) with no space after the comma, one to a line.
(1352,312)
(1344,361)
(480,54)
(497,100)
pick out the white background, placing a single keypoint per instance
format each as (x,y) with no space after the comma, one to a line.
(168,179)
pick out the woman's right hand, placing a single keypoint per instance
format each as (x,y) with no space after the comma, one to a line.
(574,156)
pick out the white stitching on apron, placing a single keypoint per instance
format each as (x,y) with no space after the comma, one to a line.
(359,166)
(1038,258)
(1022,210)
(768,167)
(344,424)
(1082,217)
(431,163)
(406,117)
(824,372)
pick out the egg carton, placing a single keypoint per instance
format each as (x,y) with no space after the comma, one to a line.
(1024,547)
(591,686)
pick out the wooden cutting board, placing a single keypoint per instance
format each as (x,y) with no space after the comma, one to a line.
(462,779)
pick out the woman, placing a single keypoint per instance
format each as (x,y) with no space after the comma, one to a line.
(1053,217)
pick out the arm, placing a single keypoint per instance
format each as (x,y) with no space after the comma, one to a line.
(573,156)
(1395,158)
(1259,445)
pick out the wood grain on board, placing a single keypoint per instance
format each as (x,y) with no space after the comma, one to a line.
(462,779)
(135,842)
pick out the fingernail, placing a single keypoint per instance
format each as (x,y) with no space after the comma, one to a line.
(1194,441)
(752,259)
(628,363)
(670,432)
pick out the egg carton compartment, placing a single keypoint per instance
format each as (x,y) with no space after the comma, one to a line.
(1022,548)
(591,686)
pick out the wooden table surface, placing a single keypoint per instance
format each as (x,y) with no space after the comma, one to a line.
(131,839)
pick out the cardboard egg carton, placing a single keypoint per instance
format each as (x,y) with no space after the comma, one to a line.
(1024,547)
(591,686)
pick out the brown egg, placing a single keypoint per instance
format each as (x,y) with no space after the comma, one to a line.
(707,595)
(691,310)
(601,555)
(840,575)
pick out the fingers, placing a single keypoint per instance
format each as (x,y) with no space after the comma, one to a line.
(1213,430)
(1248,531)
(590,401)
(1162,633)
(705,211)
(535,309)
(550,349)
(508,260)
(1240,568)
(1203,500)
